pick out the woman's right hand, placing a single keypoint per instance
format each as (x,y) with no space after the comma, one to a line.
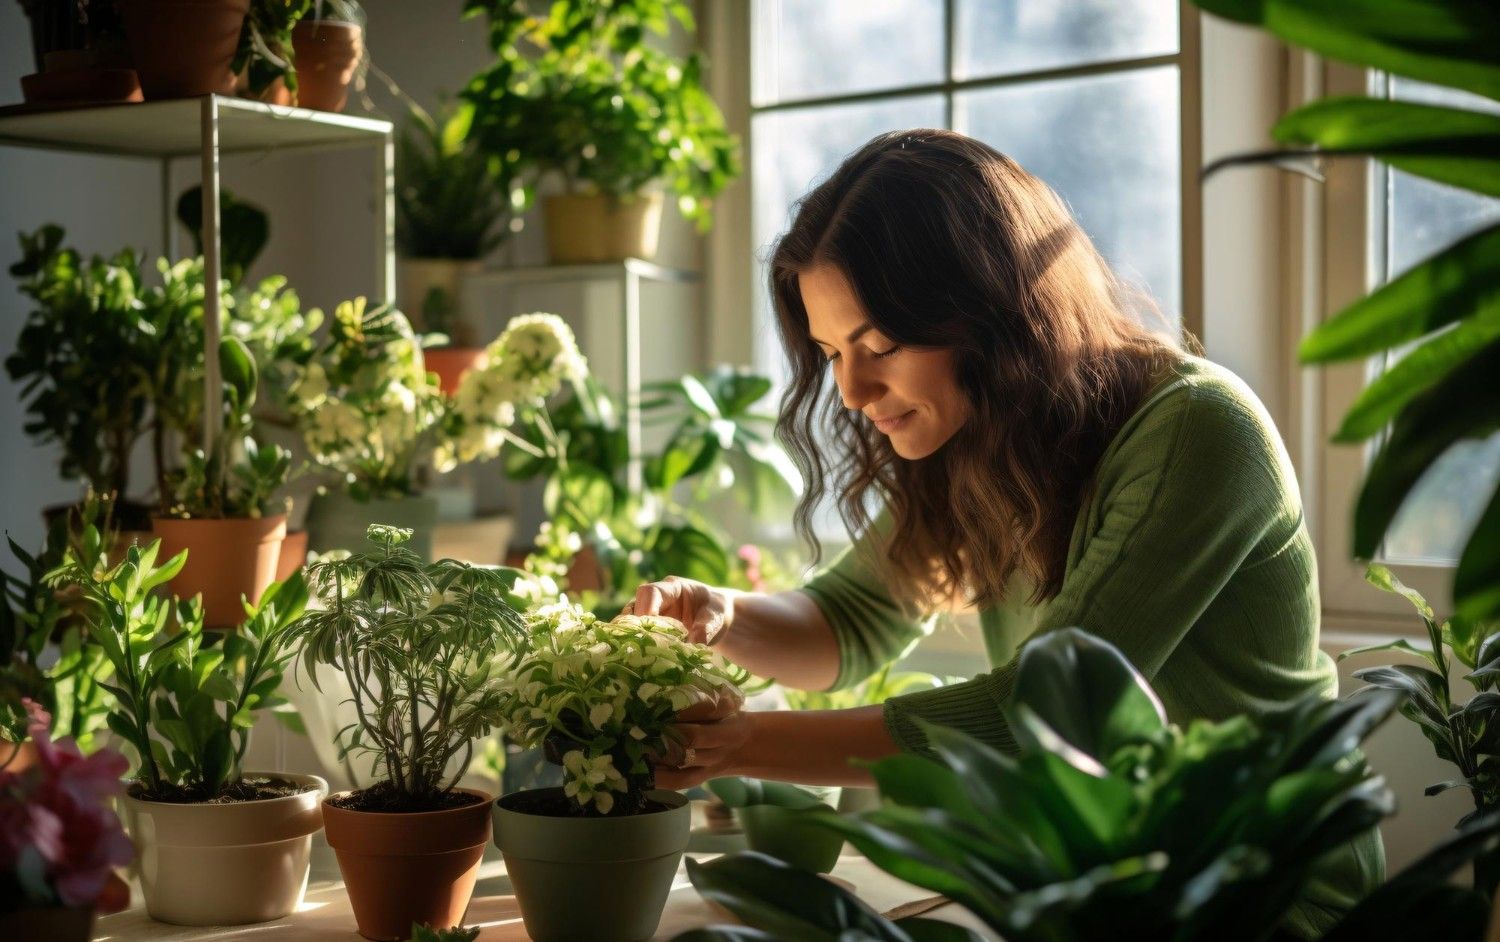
(705,611)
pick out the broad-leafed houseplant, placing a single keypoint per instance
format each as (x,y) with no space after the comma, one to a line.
(76,362)
(602,698)
(219,845)
(1107,822)
(420,646)
(579,91)
(1465,734)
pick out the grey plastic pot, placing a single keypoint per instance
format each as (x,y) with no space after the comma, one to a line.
(782,833)
(626,863)
(226,864)
(337,521)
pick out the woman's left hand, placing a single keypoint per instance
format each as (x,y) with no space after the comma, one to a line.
(708,737)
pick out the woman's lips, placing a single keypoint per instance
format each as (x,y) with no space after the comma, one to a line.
(889,425)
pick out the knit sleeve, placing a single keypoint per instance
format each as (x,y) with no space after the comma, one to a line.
(869,625)
(1183,505)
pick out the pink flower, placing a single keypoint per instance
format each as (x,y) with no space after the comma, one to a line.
(54,818)
(749,554)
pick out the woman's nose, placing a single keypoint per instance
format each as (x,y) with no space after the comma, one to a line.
(858,390)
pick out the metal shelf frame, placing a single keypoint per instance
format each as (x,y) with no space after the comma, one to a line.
(629,274)
(209,127)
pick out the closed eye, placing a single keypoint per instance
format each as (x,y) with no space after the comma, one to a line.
(891,352)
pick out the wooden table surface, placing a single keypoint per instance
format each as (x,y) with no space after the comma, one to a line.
(325,915)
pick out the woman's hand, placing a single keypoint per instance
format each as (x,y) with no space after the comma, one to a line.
(705,611)
(706,741)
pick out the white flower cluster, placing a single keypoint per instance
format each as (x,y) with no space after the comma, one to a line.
(611,690)
(364,404)
(529,361)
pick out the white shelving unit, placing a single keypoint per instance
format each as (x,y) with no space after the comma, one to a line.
(209,128)
(629,274)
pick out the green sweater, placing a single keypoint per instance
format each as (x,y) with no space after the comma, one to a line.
(1191,556)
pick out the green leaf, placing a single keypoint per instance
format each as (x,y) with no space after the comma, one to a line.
(582,494)
(237,367)
(689,552)
(1449,43)
(1400,644)
(1476,584)
(786,902)
(1085,690)
(935,930)
(1466,404)
(699,397)
(742,792)
(1418,371)
(1447,287)
(1455,146)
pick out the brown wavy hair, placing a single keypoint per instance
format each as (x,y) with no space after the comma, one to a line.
(950,244)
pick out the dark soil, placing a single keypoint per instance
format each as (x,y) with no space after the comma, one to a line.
(384,799)
(552,803)
(256,788)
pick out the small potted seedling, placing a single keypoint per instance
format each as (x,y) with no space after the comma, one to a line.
(418,644)
(217,845)
(602,698)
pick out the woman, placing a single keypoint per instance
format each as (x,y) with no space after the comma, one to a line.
(1036,451)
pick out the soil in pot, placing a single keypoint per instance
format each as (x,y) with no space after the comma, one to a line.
(183,48)
(410,866)
(227,862)
(256,788)
(627,863)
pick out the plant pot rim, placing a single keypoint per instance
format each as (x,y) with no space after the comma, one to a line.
(271,519)
(675,800)
(310,783)
(485,798)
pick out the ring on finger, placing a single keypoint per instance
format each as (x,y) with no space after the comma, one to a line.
(689,757)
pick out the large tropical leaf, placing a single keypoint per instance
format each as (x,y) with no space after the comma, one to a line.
(1476,585)
(1087,692)
(1466,404)
(1447,287)
(1449,43)
(1455,146)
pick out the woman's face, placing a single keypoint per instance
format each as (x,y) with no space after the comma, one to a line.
(909,395)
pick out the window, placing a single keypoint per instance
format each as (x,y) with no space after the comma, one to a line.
(1084,93)
(1413,219)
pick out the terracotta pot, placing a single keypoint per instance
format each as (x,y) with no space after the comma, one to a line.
(451,363)
(277,94)
(401,869)
(52,923)
(183,48)
(82,85)
(55,26)
(325,54)
(293,555)
(226,864)
(626,864)
(17,757)
(227,559)
(601,228)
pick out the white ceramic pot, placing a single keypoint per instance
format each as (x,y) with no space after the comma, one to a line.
(226,864)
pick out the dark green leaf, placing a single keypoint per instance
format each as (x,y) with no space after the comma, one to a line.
(1447,287)
(786,902)
(1476,584)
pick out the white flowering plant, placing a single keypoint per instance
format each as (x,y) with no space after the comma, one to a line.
(369,409)
(603,696)
(529,362)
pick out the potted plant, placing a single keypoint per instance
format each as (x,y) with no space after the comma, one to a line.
(580,93)
(602,697)
(370,410)
(79,50)
(1107,822)
(418,644)
(60,840)
(451,212)
(75,362)
(263,58)
(766,810)
(221,504)
(328,48)
(184,48)
(46,655)
(218,845)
